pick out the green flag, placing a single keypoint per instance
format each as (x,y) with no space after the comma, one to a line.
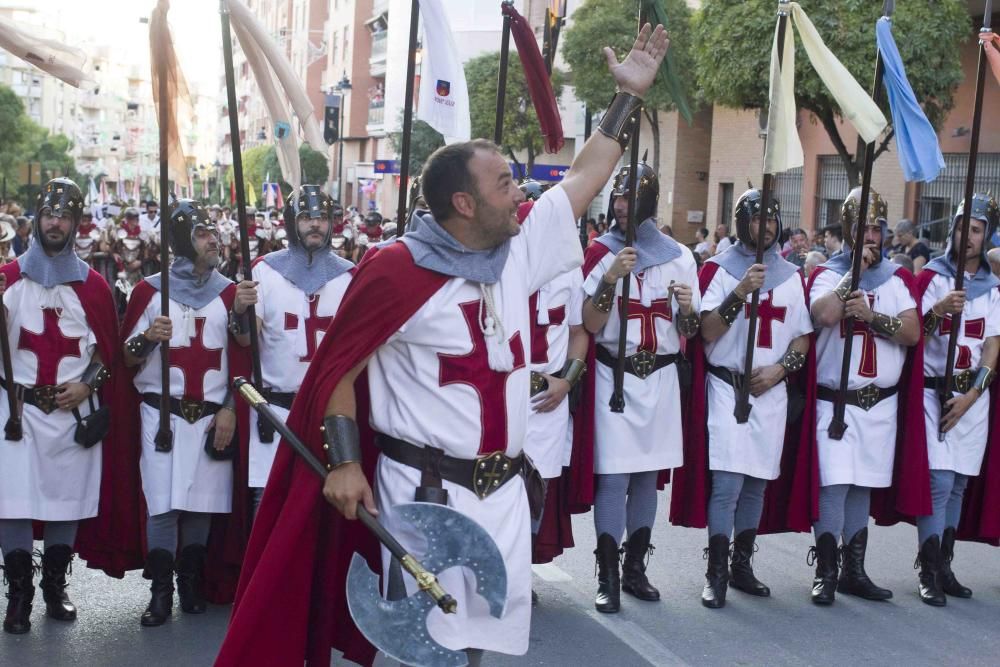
(667,76)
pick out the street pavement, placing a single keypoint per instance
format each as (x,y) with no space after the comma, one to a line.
(785,629)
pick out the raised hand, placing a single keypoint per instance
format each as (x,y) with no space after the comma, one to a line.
(635,74)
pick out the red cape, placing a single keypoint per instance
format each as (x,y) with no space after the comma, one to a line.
(791,502)
(910,493)
(291,604)
(981,507)
(106,541)
(228,537)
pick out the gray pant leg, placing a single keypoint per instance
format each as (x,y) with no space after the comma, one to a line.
(942,483)
(610,494)
(15,534)
(954,512)
(751,504)
(722,504)
(640,510)
(60,532)
(857,506)
(195,527)
(831,510)
(161,531)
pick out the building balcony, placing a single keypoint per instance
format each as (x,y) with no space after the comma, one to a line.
(379,41)
(376,116)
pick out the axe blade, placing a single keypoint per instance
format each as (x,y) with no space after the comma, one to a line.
(397,628)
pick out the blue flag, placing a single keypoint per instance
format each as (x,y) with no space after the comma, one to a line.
(916,141)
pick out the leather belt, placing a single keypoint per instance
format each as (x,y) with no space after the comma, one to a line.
(42,396)
(642,364)
(482,475)
(732,378)
(960,382)
(189,411)
(280,398)
(865,398)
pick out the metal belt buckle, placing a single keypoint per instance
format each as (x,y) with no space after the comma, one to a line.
(643,363)
(45,398)
(192,410)
(963,381)
(489,473)
(868,396)
(538,383)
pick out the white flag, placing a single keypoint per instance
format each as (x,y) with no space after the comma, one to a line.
(444,95)
(61,61)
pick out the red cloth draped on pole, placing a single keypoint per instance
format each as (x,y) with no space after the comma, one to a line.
(537,77)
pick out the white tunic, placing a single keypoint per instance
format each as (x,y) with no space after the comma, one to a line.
(430,385)
(647,436)
(46,475)
(293,326)
(185,478)
(964,445)
(865,455)
(753,448)
(559,306)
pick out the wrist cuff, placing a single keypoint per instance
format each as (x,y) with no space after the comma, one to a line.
(621,118)
(139,346)
(341,441)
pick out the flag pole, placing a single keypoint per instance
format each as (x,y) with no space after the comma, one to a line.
(742,409)
(404,167)
(617,402)
(838,425)
(241,202)
(970,183)
(502,76)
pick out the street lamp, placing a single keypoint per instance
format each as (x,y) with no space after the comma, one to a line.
(342,87)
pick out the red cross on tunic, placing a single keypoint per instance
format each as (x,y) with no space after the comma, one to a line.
(659,308)
(540,332)
(50,347)
(973,329)
(194,362)
(767,313)
(473,369)
(868,368)
(314,325)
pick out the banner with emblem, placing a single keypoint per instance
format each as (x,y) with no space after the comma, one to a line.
(444,95)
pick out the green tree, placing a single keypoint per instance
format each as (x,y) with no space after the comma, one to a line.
(16,133)
(733,72)
(53,153)
(253,166)
(599,23)
(521,132)
(315,168)
(424,140)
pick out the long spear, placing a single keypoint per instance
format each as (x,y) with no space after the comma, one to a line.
(742,408)
(404,167)
(164,437)
(617,402)
(970,181)
(241,202)
(502,77)
(13,429)
(838,425)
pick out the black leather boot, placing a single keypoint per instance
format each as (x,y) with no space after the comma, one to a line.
(949,584)
(741,569)
(713,595)
(608,599)
(634,581)
(18,570)
(929,561)
(190,579)
(853,578)
(160,570)
(824,555)
(56,564)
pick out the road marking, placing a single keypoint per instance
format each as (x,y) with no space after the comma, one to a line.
(551,573)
